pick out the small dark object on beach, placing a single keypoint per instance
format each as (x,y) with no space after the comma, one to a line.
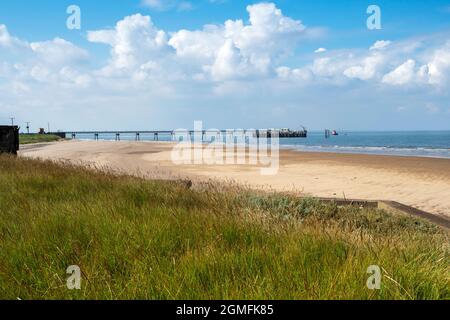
(9,139)
(188,184)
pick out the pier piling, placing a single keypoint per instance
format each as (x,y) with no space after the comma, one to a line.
(221,134)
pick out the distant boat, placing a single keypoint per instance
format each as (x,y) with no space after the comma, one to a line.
(334,133)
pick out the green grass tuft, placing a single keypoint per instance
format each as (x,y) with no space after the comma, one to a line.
(137,239)
(37,138)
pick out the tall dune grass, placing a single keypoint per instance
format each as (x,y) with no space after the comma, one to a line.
(138,239)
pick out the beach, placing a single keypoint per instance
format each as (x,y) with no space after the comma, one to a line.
(420,182)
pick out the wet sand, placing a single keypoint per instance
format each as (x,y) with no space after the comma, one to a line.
(423,183)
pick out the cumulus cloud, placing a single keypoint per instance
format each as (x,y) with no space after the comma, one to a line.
(393,64)
(439,66)
(233,50)
(58,52)
(7,41)
(236,50)
(46,61)
(401,75)
(380,45)
(434,69)
(252,48)
(367,69)
(134,41)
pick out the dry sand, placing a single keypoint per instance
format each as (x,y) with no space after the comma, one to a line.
(423,183)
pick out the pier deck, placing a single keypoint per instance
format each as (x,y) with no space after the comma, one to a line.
(173,133)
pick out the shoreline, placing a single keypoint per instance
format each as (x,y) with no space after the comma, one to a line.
(295,148)
(391,151)
(420,182)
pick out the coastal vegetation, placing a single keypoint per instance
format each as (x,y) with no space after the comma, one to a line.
(138,239)
(37,138)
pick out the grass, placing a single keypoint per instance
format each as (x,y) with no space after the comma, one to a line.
(137,239)
(36,138)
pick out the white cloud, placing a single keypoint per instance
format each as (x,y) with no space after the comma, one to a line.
(71,76)
(5,38)
(439,65)
(228,63)
(401,75)
(38,61)
(269,36)
(58,52)
(320,50)
(201,45)
(367,69)
(380,45)
(134,41)
(222,52)
(231,51)
(7,41)
(434,70)
(40,73)
(298,75)
(326,67)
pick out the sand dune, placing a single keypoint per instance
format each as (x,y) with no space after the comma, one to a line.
(423,183)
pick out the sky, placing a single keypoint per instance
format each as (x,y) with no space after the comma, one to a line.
(162,64)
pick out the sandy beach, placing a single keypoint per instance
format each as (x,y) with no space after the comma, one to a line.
(423,183)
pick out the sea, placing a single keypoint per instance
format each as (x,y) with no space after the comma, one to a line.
(434,144)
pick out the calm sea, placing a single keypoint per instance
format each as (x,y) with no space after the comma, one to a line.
(405,143)
(412,143)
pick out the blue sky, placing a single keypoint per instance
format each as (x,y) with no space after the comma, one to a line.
(344,20)
(227,80)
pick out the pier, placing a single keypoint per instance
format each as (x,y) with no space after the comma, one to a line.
(156,134)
